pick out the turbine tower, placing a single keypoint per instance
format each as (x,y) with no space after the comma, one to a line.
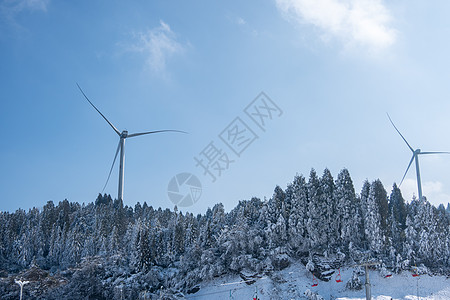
(415,157)
(121,147)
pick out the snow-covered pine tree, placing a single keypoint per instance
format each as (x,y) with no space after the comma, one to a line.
(192,231)
(276,205)
(382,204)
(218,219)
(348,208)
(443,232)
(275,209)
(397,219)
(372,219)
(297,191)
(144,252)
(179,235)
(49,216)
(328,207)
(430,248)
(364,200)
(397,206)
(279,232)
(409,246)
(316,214)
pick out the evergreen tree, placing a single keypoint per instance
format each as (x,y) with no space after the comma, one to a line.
(145,254)
(329,209)
(348,216)
(409,247)
(298,193)
(316,214)
(372,218)
(397,206)
(276,205)
(380,195)
(364,200)
(397,219)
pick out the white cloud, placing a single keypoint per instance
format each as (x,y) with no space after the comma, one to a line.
(240,21)
(158,45)
(9,9)
(33,4)
(17,6)
(433,190)
(243,24)
(355,22)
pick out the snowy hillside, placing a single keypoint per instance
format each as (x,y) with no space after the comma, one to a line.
(292,282)
(105,250)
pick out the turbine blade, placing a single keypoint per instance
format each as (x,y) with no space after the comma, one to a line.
(410,162)
(114,161)
(115,129)
(157,131)
(434,152)
(400,133)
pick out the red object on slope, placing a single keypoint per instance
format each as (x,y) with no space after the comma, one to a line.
(338,276)
(315,282)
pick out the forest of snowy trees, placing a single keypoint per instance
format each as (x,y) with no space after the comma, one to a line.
(93,248)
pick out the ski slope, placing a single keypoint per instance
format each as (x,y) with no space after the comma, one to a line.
(292,282)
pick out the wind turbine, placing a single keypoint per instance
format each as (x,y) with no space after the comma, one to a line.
(415,156)
(121,146)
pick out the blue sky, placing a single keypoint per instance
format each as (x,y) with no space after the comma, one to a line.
(334,68)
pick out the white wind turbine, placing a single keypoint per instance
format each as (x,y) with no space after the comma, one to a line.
(121,147)
(415,156)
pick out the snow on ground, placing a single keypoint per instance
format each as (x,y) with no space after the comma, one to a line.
(292,282)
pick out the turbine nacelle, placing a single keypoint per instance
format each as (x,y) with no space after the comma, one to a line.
(124,134)
(417,151)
